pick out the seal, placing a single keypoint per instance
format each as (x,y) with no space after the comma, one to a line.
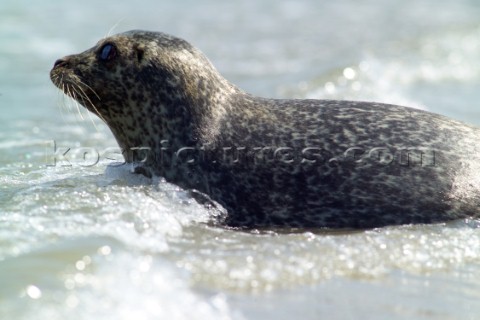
(273,163)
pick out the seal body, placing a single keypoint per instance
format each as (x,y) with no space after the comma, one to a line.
(269,162)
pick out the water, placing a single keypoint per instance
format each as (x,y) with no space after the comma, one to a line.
(94,242)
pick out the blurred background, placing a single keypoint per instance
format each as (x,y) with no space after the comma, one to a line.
(79,243)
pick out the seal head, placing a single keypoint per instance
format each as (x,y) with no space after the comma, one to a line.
(118,80)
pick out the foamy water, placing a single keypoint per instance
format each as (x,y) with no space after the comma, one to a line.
(83,241)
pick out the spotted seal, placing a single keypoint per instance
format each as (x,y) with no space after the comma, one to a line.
(270,162)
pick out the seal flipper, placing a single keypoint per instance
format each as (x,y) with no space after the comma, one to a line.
(219,213)
(143,171)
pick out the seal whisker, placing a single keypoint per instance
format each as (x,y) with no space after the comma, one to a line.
(86,100)
(66,100)
(109,33)
(91,103)
(75,99)
(89,88)
(60,100)
(67,97)
(60,97)
(98,114)
(61,104)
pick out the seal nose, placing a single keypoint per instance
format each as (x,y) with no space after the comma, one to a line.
(61,63)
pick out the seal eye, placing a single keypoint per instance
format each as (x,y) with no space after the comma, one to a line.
(108,52)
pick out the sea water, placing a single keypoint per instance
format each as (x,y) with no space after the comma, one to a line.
(82,238)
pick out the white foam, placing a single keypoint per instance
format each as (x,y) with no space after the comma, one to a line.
(109,284)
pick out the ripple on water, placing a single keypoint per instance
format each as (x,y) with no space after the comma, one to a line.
(247,262)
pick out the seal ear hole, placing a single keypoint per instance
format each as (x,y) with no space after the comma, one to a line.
(140,53)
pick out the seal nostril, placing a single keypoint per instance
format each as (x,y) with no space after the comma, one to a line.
(60,63)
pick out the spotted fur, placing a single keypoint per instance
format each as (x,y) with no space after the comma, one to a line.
(274,163)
